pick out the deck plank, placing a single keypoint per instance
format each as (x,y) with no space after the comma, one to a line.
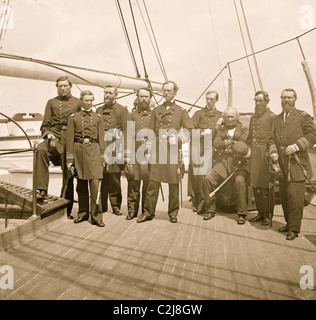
(191,260)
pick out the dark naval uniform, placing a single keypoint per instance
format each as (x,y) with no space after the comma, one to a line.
(202,119)
(298,129)
(140,171)
(85,148)
(224,167)
(164,168)
(114,117)
(55,120)
(260,129)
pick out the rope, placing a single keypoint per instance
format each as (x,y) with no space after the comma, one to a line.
(299,44)
(157,53)
(139,46)
(243,40)
(252,49)
(127,37)
(152,30)
(216,46)
(274,46)
(6,19)
(194,104)
(257,52)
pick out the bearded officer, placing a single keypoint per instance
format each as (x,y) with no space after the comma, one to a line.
(166,122)
(230,132)
(138,172)
(260,178)
(114,117)
(293,134)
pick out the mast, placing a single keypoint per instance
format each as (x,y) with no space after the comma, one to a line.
(28,68)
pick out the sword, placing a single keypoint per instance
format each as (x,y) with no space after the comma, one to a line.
(221,185)
(298,161)
(97,203)
(180,175)
(70,174)
(162,196)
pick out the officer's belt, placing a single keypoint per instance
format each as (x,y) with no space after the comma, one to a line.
(85,140)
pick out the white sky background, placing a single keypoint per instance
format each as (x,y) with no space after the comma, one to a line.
(89,34)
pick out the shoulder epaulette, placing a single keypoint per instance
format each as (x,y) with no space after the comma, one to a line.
(99,115)
(72,115)
(304,113)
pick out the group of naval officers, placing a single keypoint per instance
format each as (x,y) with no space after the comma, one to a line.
(78,138)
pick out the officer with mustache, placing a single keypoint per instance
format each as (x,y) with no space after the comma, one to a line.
(293,134)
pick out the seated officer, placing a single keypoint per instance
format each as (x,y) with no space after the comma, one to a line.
(228,142)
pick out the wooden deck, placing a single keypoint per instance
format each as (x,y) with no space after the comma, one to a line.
(157,260)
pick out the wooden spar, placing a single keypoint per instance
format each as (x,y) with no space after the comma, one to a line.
(311,86)
(230,93)
(39,70)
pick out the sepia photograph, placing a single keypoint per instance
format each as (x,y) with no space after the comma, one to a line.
(157,155)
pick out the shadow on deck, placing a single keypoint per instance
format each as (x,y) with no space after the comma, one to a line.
(191,260)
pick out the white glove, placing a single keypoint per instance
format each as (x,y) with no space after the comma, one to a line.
(51,136)
(274,157)
(292,148)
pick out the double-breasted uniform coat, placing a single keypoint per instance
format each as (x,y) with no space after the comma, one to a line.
(113,117)
(202,119)
(85,149)
(260,129)
(55,121)
(140,171)
(298,128)
(164,168)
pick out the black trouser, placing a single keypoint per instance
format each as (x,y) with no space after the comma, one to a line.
(264,198)
(215,178)
(111,188)
(43,158)
(133,195)
(292,195)
(84,198)
(152,197)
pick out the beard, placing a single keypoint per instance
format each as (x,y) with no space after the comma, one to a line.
(260,110)
(109,102)
(143,106)
(287,106)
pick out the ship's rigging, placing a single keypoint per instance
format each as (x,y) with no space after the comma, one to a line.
(85,76)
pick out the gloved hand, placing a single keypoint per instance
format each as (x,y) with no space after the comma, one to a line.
(274,157)
(292,148)
(51,136)
(71,169)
